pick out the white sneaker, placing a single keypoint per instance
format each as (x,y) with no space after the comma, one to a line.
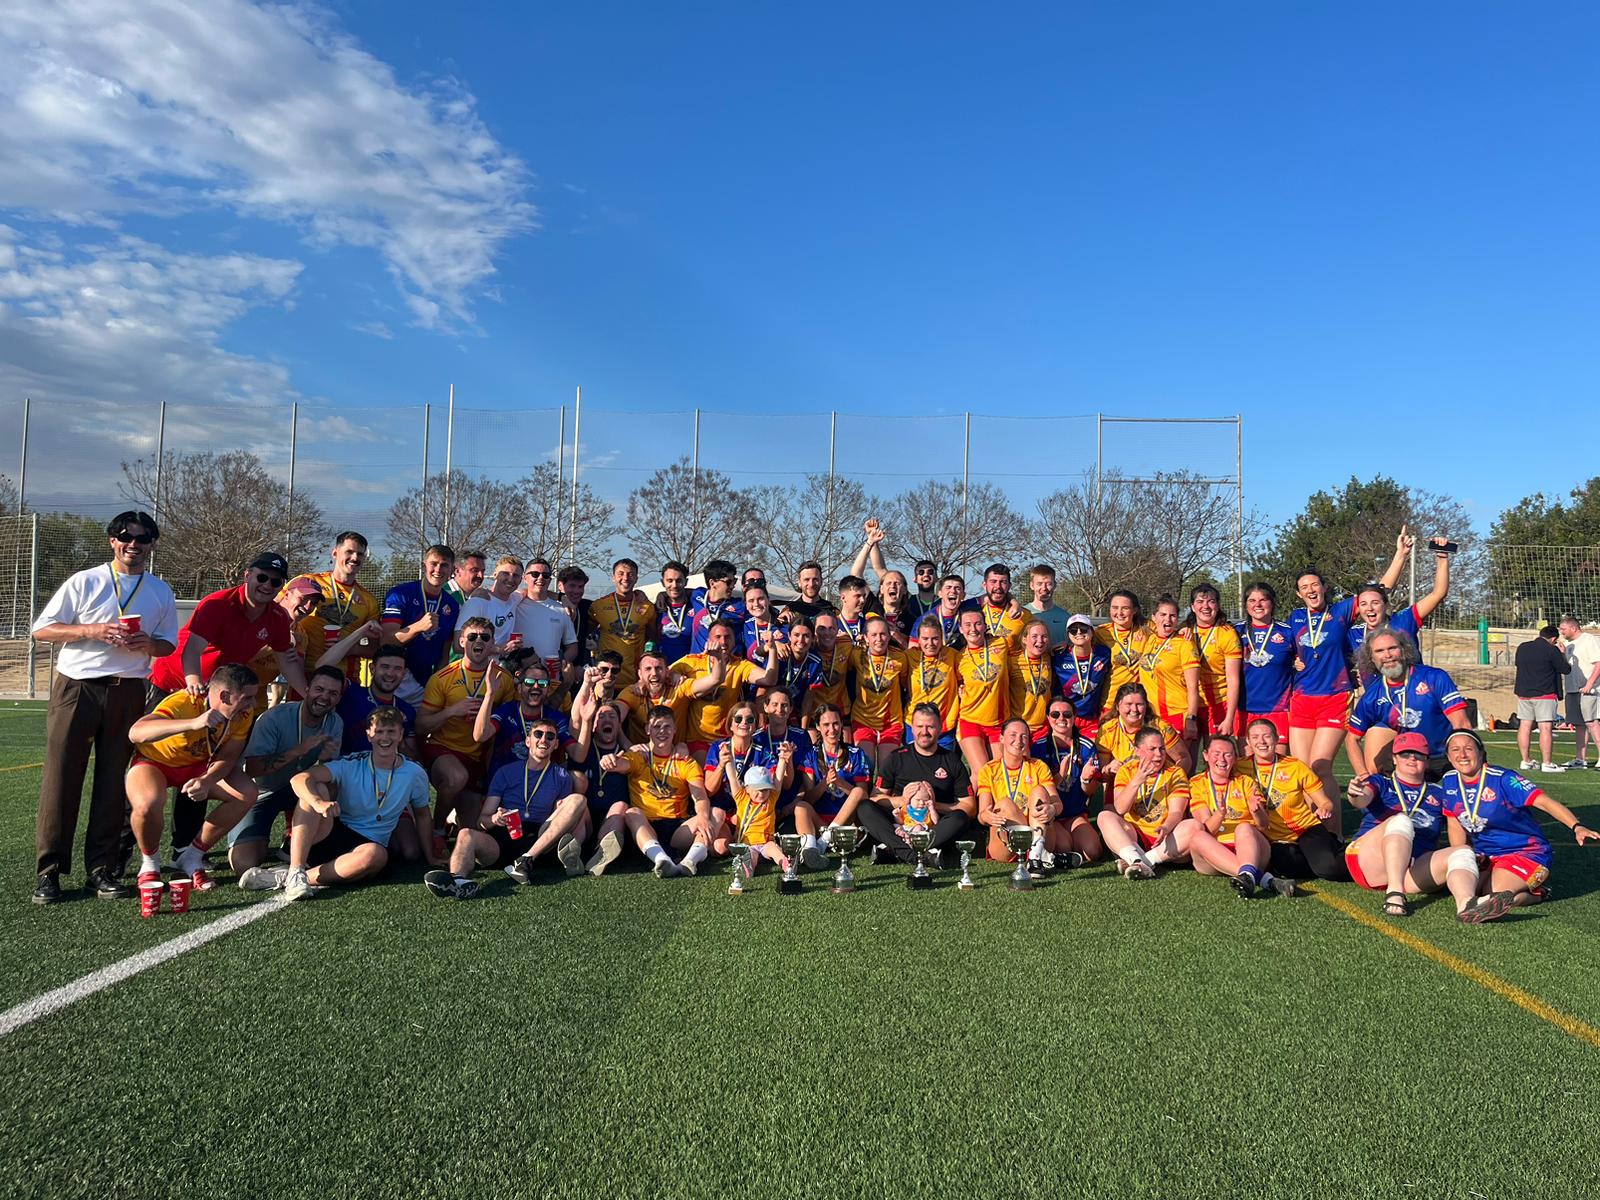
(295,884)
(1526,765)
(1552,768)
(263,879)
(571,855)
(610,850)
(1140,869)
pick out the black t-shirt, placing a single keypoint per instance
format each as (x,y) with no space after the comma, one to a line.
(1541,670)
(808,609)
(611,789)
(946,770)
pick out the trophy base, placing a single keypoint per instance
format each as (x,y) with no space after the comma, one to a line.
(790,887)
(841,889)
(919,883)
(965,885)
(1020,885)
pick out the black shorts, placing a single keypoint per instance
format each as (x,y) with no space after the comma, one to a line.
(511,848)
(598,806)
(341,839)
(666,827)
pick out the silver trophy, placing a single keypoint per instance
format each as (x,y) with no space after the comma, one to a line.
(1019,840)
(844,842)
(920,836)
(741,867)
(790,884)
(966,848)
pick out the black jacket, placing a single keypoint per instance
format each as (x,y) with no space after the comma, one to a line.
(1541,669)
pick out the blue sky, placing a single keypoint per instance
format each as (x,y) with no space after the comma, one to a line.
(1364,228)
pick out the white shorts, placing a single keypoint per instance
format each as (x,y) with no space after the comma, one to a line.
(1536,710)
(1590,707)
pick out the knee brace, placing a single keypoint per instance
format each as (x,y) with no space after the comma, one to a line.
(1462,859)
(1400,825)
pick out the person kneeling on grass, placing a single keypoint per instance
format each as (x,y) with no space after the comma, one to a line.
(1301,819)
(347,812)
(192,744)
(661,783)
(1491,805)
(1228,818)
(1395,849)
(1149,803)
(533,804)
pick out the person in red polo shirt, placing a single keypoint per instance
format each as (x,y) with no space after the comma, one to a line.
(230,626)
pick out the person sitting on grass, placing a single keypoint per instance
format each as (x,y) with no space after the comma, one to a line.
(1228,817)
(755,816)
(1491,806)
(661,784)
(1076,768)
(1300,817)
(347,812)
(1130,712)
(729,759)
(1396,849)
(195,745)
(782,740)
(534,803)
(1149,801)
(843,778)
(1014,789)
(598,734)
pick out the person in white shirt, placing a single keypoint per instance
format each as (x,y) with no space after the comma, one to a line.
(499,605)
(1583,649)
(547,631)
(109,622)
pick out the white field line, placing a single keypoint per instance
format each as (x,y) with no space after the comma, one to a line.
(55,1000)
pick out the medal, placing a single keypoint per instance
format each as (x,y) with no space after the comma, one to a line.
(1470,820)
(660,782)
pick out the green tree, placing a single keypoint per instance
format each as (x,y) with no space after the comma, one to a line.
(1544,557)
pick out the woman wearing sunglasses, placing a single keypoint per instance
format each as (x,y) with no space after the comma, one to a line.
(737,753)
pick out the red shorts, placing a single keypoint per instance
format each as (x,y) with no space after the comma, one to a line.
(474,764)
(1318,712)
(1174,718)
(989,733)
(1088,728)
(1352,859)
(1279,719)
(889,735)
(175,776)
(1211,719)
(1143,840)
(1530,870)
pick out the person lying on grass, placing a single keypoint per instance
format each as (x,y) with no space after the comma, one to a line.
(1228,816)
(194,745)
(346,813)
(1396,849)
(533,803)
(1490,806)
(661,783)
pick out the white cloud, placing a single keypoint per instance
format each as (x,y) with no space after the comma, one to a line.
(168,106)
(375,329)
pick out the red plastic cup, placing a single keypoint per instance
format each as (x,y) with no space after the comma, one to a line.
(150,897)
(513,823)
(180,894)
(330,633)
(130,624)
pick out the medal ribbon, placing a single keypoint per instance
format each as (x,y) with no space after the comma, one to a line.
(116,590)
(1408,808)
(526,795)
(1400,705)
(379,794)
(1471,806)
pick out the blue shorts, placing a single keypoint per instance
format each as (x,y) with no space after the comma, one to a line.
(1071,808)
(257,823)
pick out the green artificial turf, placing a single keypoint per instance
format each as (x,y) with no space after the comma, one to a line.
(640,1037)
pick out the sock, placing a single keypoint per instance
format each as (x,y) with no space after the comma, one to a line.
(149,862)
(1253,873)
(655,853)
(696,855)
(808,842)
(192,858)
(1267,879)
(1128,855)
(1157,856)
(826,837)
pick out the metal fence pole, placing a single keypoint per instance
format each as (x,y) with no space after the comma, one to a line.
(449,460)
(577,424)
(694,488)
(1099,458)
(161,455)
(422,496)
(33,602)
(1238,479)
(22,471)
(561,484)
(294,442)
(966,463)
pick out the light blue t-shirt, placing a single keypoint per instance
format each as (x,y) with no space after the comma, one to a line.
(279,730)
(371,805)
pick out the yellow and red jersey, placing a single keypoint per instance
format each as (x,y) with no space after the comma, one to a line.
(1157,797)
(1215,647)
(1017,786)
(1126,651)
(1030,684)
(878,700)
(1232,800)
(345,607)
(1162,669)
(198,746)
(1000,623)
(935,681)
(458,682)
(1286,789)
(659,787)
(833,685)
(708,714)
(756,814)
(1118,742)
(624,626)
(678,697)
(984,683)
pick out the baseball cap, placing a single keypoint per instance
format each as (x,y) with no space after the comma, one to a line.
(1411,743)
(270,562)
(1080,619)
(758,779)
(301,586)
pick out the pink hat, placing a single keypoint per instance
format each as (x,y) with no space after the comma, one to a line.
(1412,743)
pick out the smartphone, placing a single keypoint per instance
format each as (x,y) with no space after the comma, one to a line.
(1440,546)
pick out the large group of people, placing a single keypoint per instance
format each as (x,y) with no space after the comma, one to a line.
(485,717)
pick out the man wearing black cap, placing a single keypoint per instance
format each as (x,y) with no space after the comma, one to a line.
(231,626)
(108,622)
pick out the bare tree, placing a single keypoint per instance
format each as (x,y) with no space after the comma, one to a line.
(1092,535)
(817,520)
(8,497)
(691,516)
(1189,525)
(473,512)
(218,511)
(548,529)
(958,528)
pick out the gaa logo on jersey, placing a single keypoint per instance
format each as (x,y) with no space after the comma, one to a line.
(1277,639)
(941,773)
(261,635)
(1423,689)
(1424,819)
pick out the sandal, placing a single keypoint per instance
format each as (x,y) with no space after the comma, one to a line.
(1395,904)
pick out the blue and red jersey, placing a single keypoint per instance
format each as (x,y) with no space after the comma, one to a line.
(510,742)
(1069,783)
(704,615)
(1082,681)
(406,604)
(1423,803)
(1406,621)
(854,771)
(1495,810)
(674,628)
(753,630)
(1268,675)
(805,760)
(1421,703)
(355,706)
(1319,641)
(722,754)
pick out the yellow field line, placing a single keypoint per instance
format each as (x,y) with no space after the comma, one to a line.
(1581,1030)
(23,767)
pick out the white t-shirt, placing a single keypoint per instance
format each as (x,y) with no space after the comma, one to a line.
(89,598)
(502,614)
(1586,648)
(547,630)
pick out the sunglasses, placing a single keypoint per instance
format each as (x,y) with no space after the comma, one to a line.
(142,539)
(1062,715)
(1079,631)
(480,637)
(543,735)
(275,580)
(746,720)
(535,683)
(1410,754)
(605,670)
(538,574)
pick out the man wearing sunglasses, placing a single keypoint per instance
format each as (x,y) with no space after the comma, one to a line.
(108,622)
(453,757)
(505,726)
(547,632)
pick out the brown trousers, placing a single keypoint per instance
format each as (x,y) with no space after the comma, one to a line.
(86,716)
